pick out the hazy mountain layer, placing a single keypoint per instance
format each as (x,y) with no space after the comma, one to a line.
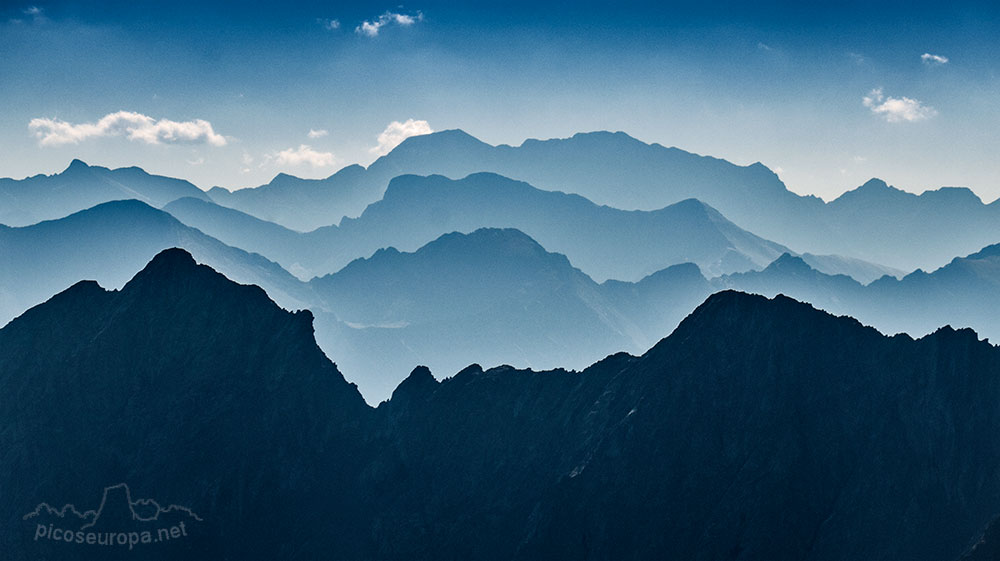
(748,433)
(495,297)
(46,197)
(875,222)
(109,243)
(603,242)
(964,293)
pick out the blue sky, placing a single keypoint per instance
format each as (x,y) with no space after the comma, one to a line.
(227,94)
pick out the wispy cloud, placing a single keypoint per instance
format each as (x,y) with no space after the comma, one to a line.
(897,109)
(320,133)
(397,132)
(304,154)
(329,24)
(134,126)
(372,28)
(933,60)
(35,14)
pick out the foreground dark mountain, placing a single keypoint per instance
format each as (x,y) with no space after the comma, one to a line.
(45,197)
(492,296)
(184,386)
(602,241)
(747,434)
(109,243)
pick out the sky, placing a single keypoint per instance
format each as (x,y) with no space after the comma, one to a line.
(231,93)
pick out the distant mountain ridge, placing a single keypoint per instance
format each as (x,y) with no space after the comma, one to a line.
(875,222)
(750,421)
(79,187)
(602,241)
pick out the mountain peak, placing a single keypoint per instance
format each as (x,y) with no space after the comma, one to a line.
(874,184)
(420,382)
(76,165)
(789,263)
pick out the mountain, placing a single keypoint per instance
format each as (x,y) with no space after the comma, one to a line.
(962,293)
(108,243)
(494,297)
(880,223)
(748,433)
(609,168)
(185,385)
(46,197)
(875,222)
(309,254)
(305,204)
(602,241)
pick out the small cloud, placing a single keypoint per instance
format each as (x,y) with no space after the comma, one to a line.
(933,60)
(196,162)
(134,126)
(764,47)
(778,170)
(329,24)
(858,59)
(304,154)
(313,133)
(859,159)
(897,109)
(247,159)
(371,28)
(35,15)
(397,132)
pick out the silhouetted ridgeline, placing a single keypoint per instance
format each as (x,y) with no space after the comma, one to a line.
(760,429)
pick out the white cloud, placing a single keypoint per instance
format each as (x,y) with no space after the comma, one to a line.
(329,24)
(371,28)
(314,133)
(397,132)
(933,60)
(134,126)
(304,154)
(33,11)
(764,46)
(897,109)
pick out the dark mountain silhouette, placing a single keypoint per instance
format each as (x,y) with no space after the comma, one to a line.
(108,243)
(186,383)
(46,197)
(602,241)
(747,433)
(492,296)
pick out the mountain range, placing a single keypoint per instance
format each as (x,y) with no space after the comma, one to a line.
(79,187)
(874,222)
(759,429)
(604,242)
(109,243)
